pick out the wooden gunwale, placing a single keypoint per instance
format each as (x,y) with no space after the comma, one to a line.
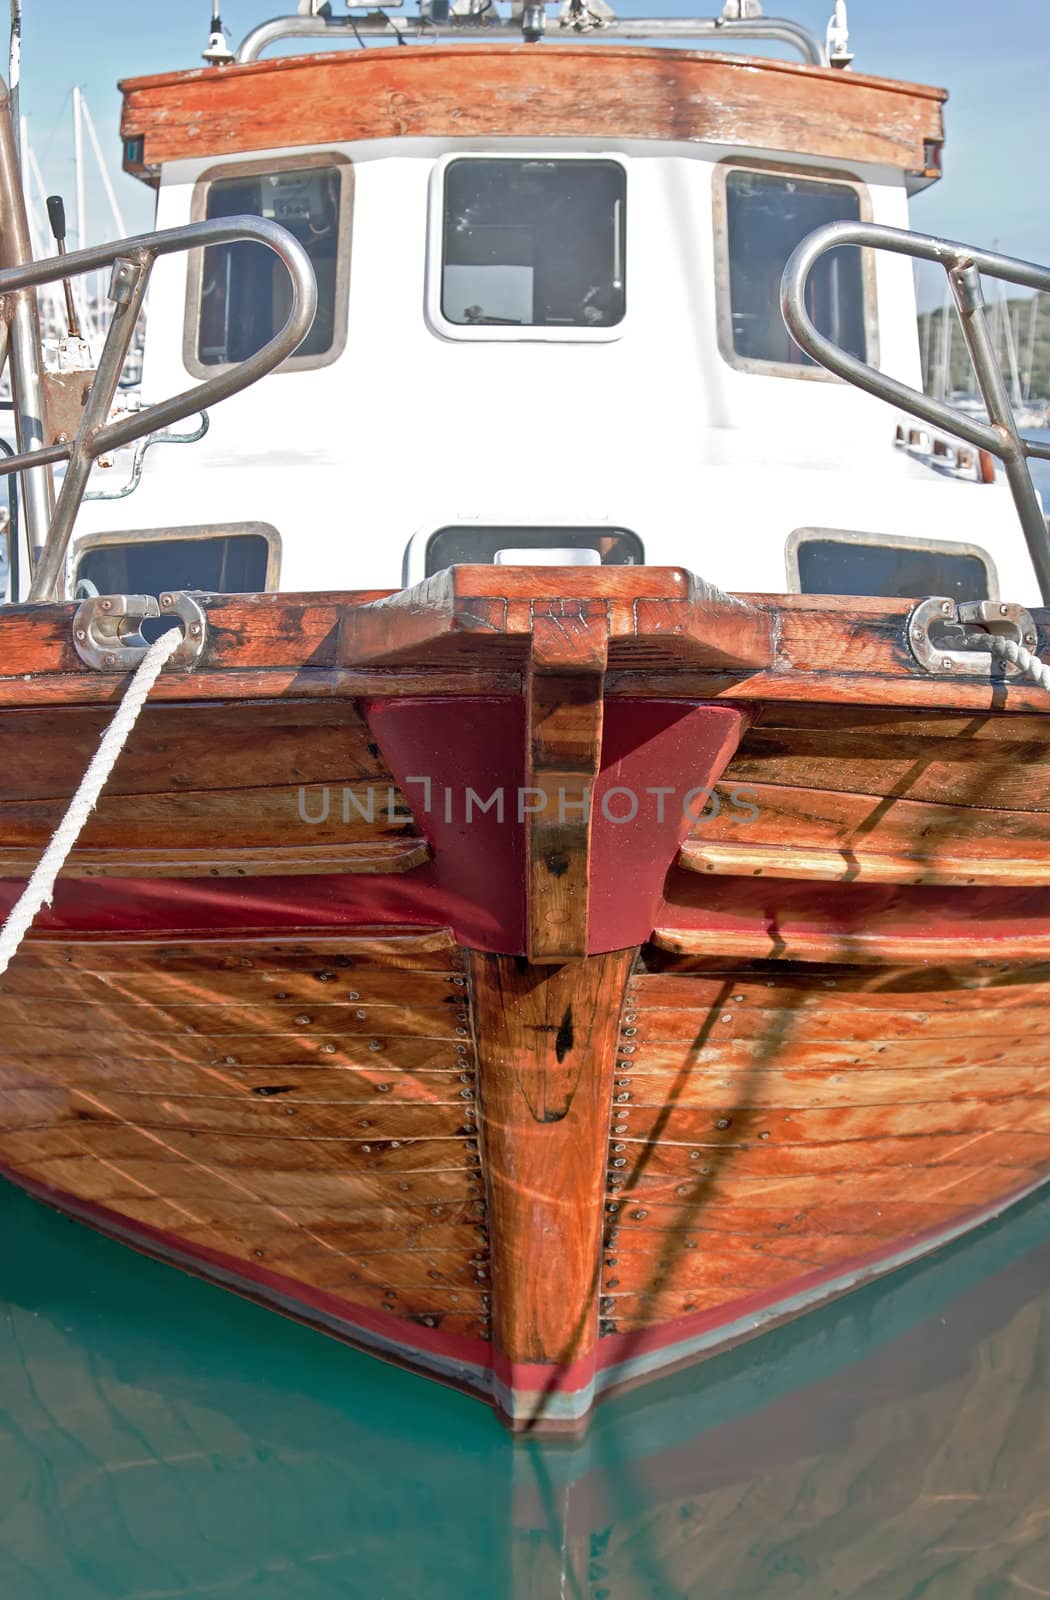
(286,647)
(467,48)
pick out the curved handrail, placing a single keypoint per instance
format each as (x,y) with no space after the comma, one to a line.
(162,413)
(964,265)
(132,261)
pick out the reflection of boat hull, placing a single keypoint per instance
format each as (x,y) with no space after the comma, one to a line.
(816,1375)
(922,1390)
(546,1095)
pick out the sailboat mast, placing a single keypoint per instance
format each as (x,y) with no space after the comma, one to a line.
(1029,357)
(78,168)
(927,353)
(103,169)
(1011,354)
(944,388)
(95,304)
(36,483)
(14,73)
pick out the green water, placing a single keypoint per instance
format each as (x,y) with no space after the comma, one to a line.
(160,1438)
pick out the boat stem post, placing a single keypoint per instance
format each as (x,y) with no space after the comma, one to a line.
(547,1039)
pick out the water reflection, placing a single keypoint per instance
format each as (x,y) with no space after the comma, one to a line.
(160,1438)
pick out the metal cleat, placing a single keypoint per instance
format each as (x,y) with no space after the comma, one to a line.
(107,634)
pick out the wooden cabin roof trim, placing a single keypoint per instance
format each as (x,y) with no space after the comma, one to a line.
(350,59)
(466,91)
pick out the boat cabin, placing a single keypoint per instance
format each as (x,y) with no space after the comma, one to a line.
(548,325)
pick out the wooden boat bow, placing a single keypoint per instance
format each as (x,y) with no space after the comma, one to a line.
(543,1093)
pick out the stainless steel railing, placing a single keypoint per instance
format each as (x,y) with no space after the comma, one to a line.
(532,24)
(132,262)
(964,265)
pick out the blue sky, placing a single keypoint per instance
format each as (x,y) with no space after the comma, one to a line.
(994,58)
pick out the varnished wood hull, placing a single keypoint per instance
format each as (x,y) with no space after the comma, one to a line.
(544,1103)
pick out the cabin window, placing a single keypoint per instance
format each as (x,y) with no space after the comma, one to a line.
(218,560)
(531,244)
(240,293)
(830,561)
(472,544)
(766,214)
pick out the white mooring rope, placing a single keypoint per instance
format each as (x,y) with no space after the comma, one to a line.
(1008,650)
(41,886)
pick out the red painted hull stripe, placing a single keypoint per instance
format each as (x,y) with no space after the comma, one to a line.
(521,1377)
(455,1347)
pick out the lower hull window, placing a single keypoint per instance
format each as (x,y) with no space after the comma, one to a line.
(840,563)
(478,546)
(219,562)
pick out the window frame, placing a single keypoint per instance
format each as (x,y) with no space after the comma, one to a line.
(414,559)
(950,547)
(722,274)
(193,531)
(195,270)
(509,333)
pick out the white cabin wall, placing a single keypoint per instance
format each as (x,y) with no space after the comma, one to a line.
(899,352)
(653,430)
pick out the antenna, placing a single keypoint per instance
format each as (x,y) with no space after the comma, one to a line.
(836,39)
(218,53)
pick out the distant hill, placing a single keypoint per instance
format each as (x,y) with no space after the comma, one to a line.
(1033,355)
